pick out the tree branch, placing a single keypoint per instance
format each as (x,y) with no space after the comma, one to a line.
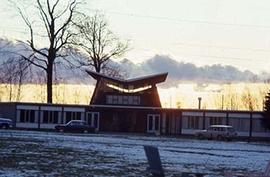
(32,62)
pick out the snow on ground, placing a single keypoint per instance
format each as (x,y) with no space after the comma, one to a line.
(33,153)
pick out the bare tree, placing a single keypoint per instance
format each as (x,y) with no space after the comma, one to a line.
(263,91)
(98,42)
(266,112)
(4,44)
(14,72)
(22,75)
(55,20)
(218,100)
(39,81)
(8,76)
(248,100)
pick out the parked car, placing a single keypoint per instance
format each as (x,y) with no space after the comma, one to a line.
(219,132)
(5,123)
(75,126)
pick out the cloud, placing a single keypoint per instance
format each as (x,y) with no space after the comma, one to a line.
(188,72)
(178,71)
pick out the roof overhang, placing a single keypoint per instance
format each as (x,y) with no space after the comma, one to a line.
(135,82)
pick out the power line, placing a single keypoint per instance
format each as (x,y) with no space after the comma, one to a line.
(221,47)
(232,58)
(182,20)
(189,21)
(20,30)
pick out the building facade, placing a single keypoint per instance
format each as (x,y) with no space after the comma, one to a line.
(133,119)
(131,106)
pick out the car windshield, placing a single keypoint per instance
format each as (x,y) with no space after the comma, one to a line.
(231,129)
(76,123)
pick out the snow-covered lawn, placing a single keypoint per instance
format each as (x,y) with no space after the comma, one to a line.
(33,153)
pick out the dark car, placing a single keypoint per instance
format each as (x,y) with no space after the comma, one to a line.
(75,126)
(5,123)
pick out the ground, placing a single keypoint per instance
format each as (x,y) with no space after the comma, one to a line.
(33,153)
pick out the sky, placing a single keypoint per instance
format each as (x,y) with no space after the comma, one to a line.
(203,32)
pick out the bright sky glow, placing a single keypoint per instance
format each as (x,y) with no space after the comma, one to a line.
(203,32)
(214,96)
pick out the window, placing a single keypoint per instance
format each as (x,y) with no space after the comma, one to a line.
(120,99)
(257,126)
(157,123)
(109,99)
(130,100)
(243,124)
(115,99)
(125,100)
(50,117)
(216,120)
(78,116)
(193,122)
(68,116)
(96,120)
(150,122)
(27,116)
(153,123)
(92,119)
(136,100)
(72,116)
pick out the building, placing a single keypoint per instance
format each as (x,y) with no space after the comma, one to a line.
(131,92)
(132,105)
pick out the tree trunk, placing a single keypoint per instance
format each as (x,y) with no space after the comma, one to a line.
(10,90)
(49,82)
(18,97)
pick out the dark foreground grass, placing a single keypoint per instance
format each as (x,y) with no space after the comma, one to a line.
(27,153)
(21,157)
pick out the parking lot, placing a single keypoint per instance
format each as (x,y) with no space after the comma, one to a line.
(34,153)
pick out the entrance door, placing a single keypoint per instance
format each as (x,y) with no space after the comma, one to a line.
(92,118)
(153,123)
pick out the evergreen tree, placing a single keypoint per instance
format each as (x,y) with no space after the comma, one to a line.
(266,112)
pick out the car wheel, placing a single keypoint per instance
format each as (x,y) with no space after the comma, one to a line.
(61,130)
(200,136)
(5,126)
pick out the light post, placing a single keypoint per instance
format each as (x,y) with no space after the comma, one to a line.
(199,99)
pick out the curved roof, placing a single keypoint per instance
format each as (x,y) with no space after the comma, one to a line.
(136,82)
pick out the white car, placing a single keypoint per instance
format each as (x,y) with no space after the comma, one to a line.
(219,132)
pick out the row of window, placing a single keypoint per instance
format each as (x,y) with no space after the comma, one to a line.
(50,117)
(54,117)
(123,100)
(194,122)
(28,116)
(73,116)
